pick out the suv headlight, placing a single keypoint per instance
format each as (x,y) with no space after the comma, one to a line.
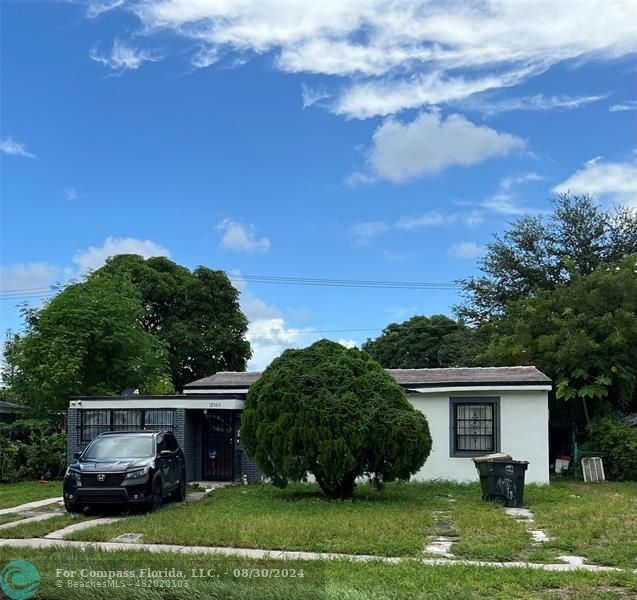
(75,475)
(137,473)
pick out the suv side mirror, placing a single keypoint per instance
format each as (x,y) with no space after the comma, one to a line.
(165,454)
(77,454)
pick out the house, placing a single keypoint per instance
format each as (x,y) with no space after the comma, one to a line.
(8,411)
(471,412)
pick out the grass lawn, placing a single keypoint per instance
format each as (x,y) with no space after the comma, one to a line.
(395,522)
(41,528)
(313,581)
(598,521)
(10,518)
(595,521)
(14,494)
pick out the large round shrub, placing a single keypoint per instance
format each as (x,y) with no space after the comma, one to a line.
(336,414)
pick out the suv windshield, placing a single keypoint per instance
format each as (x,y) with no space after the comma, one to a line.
(120,446)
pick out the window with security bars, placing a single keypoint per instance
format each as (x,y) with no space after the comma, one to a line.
(95,422)
(474,426)
(126,420)
(158,419)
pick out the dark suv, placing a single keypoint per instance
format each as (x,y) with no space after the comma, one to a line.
(128,468)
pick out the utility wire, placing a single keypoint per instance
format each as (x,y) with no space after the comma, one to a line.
(27,293)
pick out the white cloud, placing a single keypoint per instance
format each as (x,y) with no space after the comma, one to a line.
(269,333)
(311,95)
(402,54)
(362,233)
(359,178)
(241,237)
(430,219)
(9,146)
(505,200)
(95,256)
(538,102)
(123,57)
(466,250)
(25,278)
(507,183)
(70,194)
(614,182)
(205,57)
(347,343)
(363,100)
(97,7)
(427,145)
(628,105)
(270,337)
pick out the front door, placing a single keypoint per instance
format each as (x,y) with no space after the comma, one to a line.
(218,445)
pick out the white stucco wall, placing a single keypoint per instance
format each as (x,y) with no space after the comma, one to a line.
(524,417)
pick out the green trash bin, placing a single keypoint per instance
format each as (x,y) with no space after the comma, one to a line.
(502,480)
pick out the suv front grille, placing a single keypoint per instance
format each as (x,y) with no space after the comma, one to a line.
(111,479)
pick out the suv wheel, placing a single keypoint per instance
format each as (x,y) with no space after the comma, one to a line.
(154,502)
(72,508)
(179,495)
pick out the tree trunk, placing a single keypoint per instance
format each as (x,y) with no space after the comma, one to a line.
(588,421)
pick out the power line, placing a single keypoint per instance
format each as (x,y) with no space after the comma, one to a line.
(28,293)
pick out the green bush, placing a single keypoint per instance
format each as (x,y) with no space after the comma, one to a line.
(31,451)
(336,414)
(616,441)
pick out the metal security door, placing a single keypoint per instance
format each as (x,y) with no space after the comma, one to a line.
(218,445)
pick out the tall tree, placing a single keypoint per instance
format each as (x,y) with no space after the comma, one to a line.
(539,253)
(424,342)
(336,414)
(583,334)
(86,340)
(196,314)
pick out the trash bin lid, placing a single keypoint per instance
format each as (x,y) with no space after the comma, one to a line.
(490,457)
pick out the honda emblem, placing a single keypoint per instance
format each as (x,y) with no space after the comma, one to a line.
(101,477)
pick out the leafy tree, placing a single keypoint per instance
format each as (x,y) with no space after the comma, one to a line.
(336,414)
(86,340)
(583,334)
(616,441)
(424,342)
(540,253)
(196,314)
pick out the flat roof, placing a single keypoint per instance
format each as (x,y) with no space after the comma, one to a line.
(478,376)
(201,397)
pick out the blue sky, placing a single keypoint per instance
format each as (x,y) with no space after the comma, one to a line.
(349,140)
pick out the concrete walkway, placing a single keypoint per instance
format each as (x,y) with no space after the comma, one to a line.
(34,519)
(287,555)
(30,506)
(60,534)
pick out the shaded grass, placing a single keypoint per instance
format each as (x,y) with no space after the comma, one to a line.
(14,494)
(41,528)
(394,522)
(598,521)
(321,580)
(10,518)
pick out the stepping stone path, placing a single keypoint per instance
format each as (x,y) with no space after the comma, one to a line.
(441,544)
(524,514)
(128,538)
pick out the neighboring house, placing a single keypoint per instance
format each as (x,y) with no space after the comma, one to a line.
(8,411)
(471,412)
